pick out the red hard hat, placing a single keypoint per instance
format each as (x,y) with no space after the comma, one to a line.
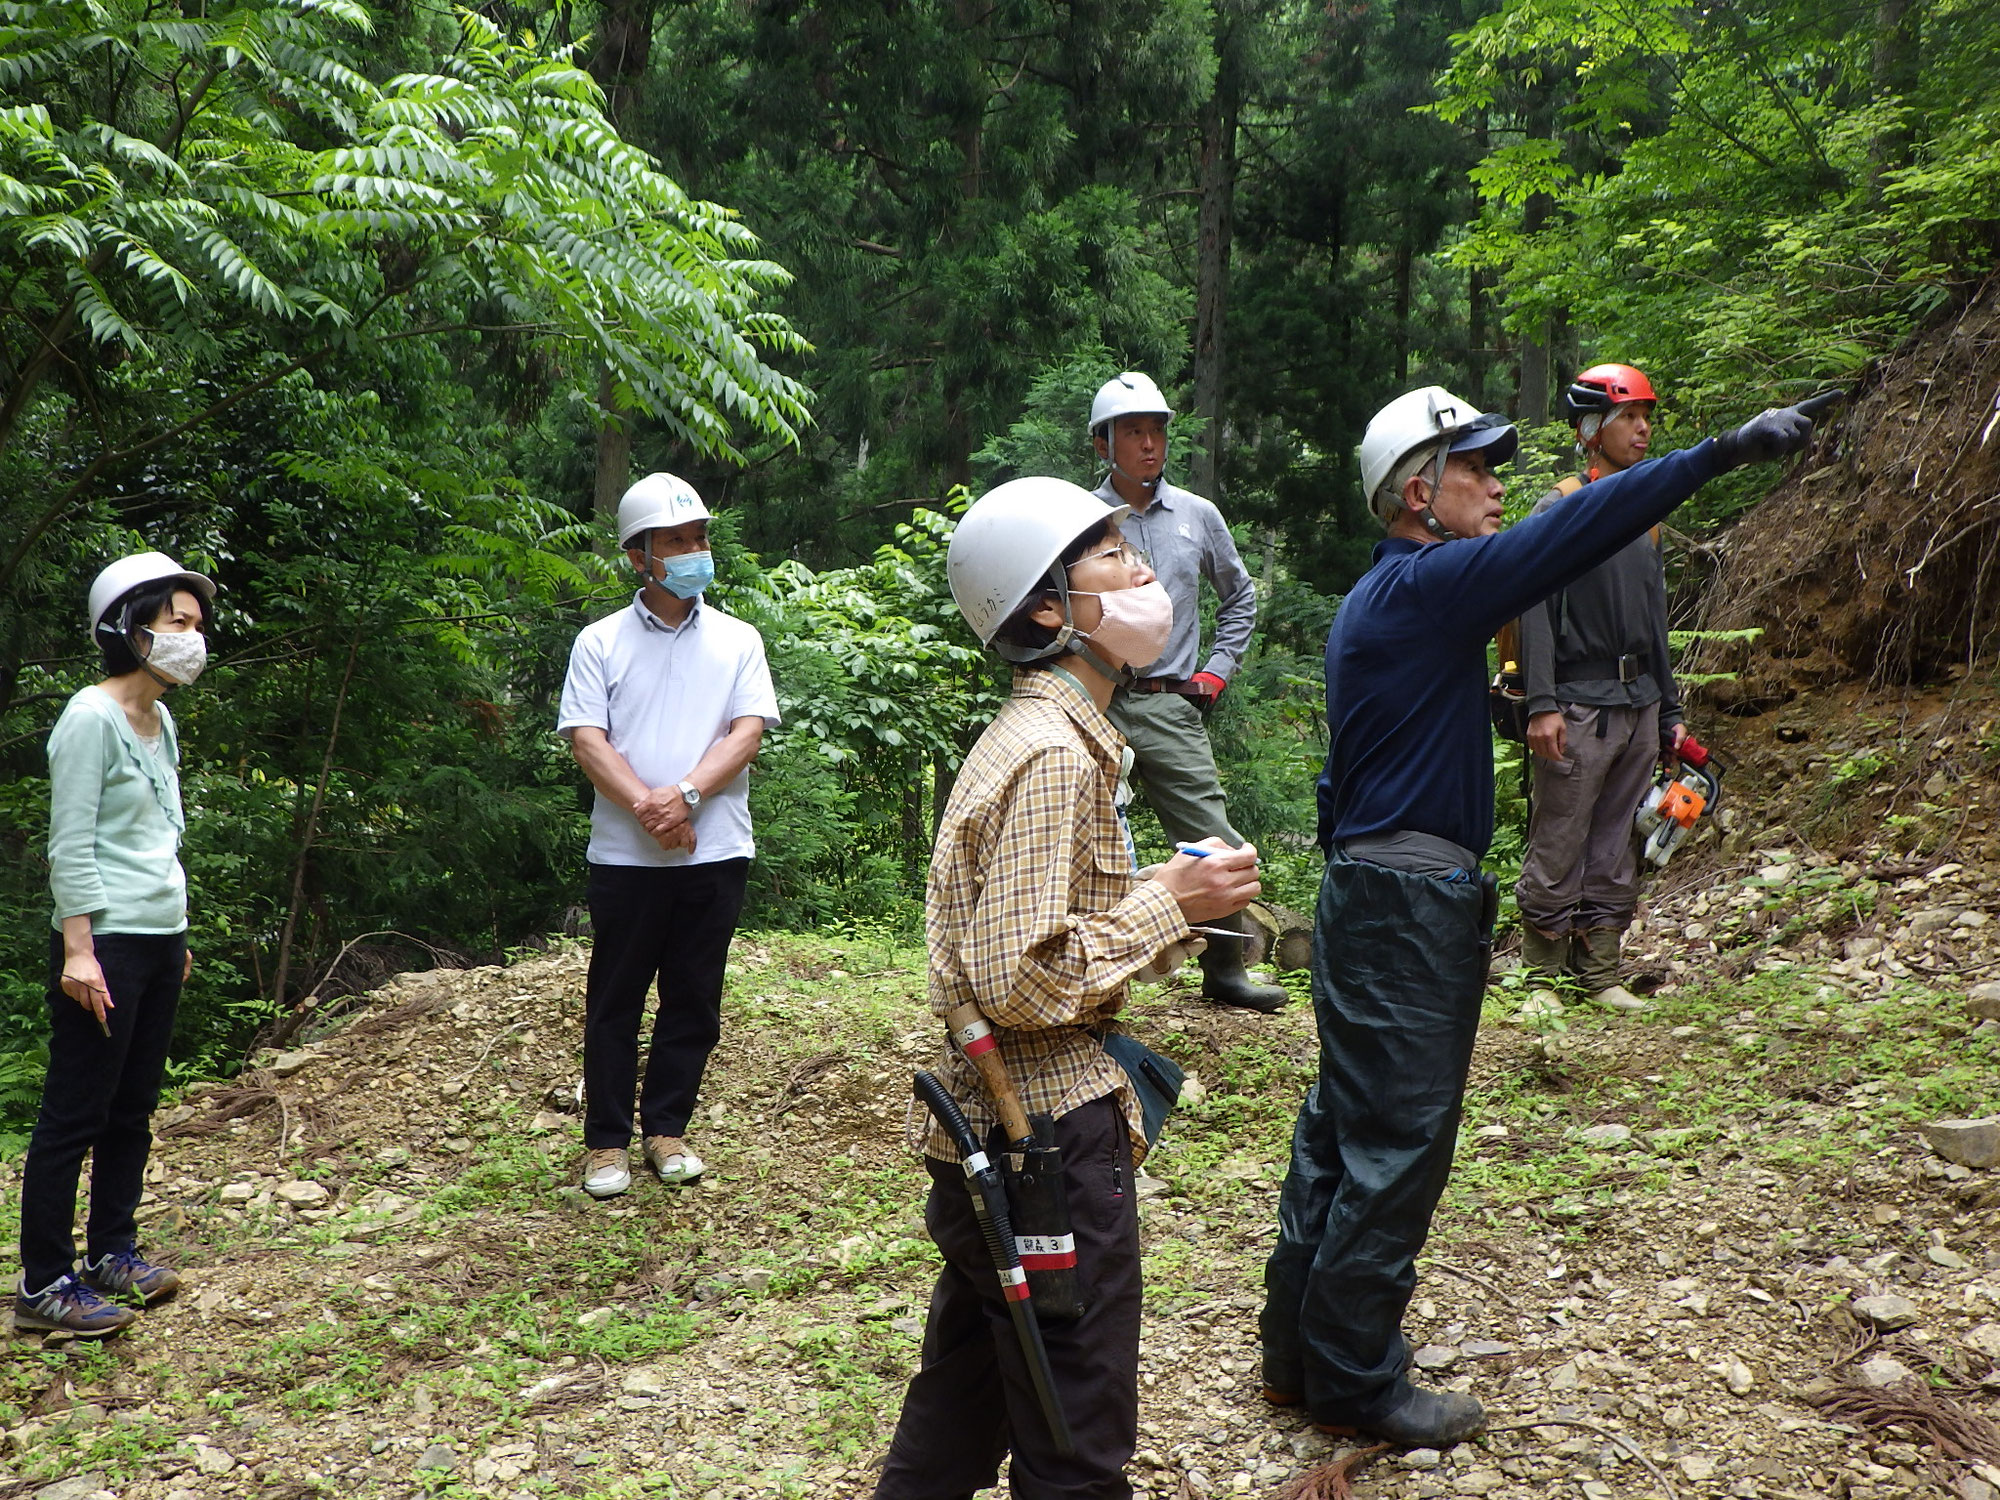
(1602,387)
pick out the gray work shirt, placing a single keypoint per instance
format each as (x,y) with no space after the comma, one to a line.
(1186,541)
(1618,608)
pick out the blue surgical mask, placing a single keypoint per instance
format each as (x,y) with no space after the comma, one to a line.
(687,575)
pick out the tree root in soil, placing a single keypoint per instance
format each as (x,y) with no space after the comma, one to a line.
(1929,1413)
(250,1096)
(1332,1480)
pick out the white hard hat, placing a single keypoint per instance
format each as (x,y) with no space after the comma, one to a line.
(1421,418)
(1008,541)
(658,500)
(136,571)
(1127,395)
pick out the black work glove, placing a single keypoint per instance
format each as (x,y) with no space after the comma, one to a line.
(1773,434)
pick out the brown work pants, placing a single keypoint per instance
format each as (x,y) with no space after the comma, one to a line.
(1581,869)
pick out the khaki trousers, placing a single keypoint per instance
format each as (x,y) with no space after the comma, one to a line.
(1581,869)
(1172,764)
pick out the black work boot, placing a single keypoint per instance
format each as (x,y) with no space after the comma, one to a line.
(1225,981)
(1422,1419)
(1543,956)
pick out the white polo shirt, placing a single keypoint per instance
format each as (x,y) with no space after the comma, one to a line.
(664,695)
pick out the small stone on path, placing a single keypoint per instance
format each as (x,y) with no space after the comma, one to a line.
(1698,1468)
(302,1193)
(1882,1371)
(1986,1340)
(1887,1313)
(1604,1137)
(1970,1143)
(439,1456)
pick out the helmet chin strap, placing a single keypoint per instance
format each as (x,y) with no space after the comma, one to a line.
(1150,486)
(1069,641)
(1432,524)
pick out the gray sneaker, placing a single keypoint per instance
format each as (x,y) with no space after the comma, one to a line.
(69,1307)
(607,1172)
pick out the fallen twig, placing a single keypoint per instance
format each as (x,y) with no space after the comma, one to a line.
(1609,1433)
(1464,1275)
(466,1077)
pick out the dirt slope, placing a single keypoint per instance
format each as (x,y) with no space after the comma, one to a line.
(1645,1264)
(1878,559)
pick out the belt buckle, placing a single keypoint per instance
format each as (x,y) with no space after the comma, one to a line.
(1628,670)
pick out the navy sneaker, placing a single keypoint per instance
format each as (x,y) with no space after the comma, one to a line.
(125,1273)
(70,1307)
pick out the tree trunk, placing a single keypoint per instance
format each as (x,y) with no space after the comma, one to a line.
(614,457)
(1898,33)
(1217,225)
(618,63)
(1531,401)
(1405,269)
(309,833)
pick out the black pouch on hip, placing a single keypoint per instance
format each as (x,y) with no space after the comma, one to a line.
(1156,1080)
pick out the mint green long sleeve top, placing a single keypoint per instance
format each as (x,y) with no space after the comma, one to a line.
(115,820)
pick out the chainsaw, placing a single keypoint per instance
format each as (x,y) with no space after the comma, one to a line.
(1679,798)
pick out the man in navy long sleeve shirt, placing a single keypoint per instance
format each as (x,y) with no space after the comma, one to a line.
(1404,916)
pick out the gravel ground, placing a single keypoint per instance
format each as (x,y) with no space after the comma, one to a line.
(1712,1249)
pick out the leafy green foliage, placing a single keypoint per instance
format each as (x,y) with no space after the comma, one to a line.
(1749,204)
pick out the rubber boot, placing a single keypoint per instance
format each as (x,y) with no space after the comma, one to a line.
(1422,1419)
(1545,958)
(1224,979)
(1594,962)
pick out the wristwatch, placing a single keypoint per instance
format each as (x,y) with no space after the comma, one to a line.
(690,794)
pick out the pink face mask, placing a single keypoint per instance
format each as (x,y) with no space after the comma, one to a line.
(1135,626)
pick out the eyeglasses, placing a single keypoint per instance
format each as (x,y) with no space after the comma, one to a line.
(1125,552)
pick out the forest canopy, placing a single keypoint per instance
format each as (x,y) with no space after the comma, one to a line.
(371,311)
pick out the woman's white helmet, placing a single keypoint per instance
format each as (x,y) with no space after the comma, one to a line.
(1427,421)
(1007,546)
(136,571)
(658,500)
(1127,395)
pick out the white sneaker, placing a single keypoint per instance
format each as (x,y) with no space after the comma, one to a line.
(668,1155)
(1619,998)
(607,1173)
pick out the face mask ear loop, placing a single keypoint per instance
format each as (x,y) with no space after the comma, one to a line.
(1072,639)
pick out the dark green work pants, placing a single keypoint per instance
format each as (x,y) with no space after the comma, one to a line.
(1399,967)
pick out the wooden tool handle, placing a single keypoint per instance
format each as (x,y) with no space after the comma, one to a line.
(973,1035)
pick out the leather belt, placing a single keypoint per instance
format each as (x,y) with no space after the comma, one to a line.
(1158,685)
(1626,669)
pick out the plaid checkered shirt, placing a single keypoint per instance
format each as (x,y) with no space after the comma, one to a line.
(1034,910)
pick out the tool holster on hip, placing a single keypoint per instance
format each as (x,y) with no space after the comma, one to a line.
(1032,1170)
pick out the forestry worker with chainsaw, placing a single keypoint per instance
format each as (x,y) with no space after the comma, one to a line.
(1602,710)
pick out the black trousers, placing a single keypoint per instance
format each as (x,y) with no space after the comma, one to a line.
(1399,968)
(669,926)
(971,1402)
(98,1098)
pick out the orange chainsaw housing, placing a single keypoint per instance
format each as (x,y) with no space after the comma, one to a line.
(1680,803)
